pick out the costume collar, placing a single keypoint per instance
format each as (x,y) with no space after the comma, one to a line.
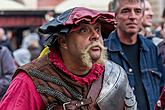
(95,72)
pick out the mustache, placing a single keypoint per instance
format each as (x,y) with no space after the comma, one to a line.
(94,44)
(86,59)
(132,23)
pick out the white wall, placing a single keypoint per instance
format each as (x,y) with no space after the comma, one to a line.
(32,4)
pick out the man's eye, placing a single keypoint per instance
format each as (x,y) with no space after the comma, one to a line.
(124,11)
(98,29)
(138,11)
(83,30)
(146,9)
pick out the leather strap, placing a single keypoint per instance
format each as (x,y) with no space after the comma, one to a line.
(91,97)
(76,104)
(95,89)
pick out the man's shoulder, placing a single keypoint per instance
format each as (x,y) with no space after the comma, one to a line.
(112,41)
(114,68)
(20,92)
(147,42)
(145,39)
(115,80)
(110,63)
(112,35)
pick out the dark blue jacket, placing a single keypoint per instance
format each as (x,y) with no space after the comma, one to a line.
(151,67)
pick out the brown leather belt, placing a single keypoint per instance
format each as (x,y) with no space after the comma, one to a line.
(75,104)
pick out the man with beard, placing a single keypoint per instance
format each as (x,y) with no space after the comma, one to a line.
(136,54)
(75,74)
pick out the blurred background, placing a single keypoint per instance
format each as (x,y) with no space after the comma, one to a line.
(19,17)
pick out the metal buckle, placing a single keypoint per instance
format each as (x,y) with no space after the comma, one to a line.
(64,105)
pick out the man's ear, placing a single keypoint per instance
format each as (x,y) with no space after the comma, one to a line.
(62,42)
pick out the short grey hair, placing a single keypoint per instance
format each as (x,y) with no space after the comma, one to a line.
(114,4)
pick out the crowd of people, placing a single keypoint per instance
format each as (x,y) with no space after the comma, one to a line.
(93,60)
(12,57)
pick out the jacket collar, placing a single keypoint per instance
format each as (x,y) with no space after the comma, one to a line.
(113,43)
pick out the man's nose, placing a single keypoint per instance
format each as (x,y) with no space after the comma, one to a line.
(95,35)
(132,15)
(151,12)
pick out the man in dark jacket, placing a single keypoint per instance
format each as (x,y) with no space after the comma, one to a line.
(75,74)
(136,54)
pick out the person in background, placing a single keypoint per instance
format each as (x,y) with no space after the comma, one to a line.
(136,54)
(159,28)
(22,56)
(163,15)
(7,69)
(161,44)
(49,15)
(75,74)
(160,105)
(162,31)
(32,42)
(161,102)
(146,29)
(32,36)
(12,39)
(4,40)
(35,49)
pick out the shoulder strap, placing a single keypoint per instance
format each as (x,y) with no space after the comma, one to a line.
(91,97)
(95,89)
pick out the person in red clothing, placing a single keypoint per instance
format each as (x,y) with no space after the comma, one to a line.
(161,102)
(75,74)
